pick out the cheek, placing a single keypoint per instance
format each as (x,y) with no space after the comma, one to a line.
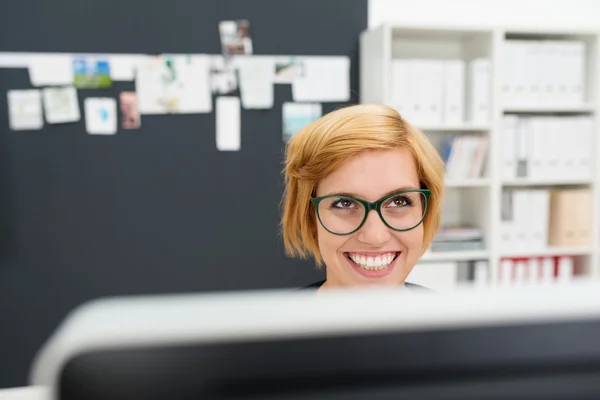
(329,244)
(412,240)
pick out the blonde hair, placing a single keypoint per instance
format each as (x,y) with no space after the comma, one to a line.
(321,147)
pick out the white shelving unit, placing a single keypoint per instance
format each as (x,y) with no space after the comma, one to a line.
(478,200)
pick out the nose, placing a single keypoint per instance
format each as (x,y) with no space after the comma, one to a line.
(374,232)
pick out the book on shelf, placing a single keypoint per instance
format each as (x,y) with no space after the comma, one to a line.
(458,238)
(465,156)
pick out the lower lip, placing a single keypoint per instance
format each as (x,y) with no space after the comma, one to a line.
(379,273)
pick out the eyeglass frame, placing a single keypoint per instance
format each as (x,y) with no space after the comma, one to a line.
(369,206)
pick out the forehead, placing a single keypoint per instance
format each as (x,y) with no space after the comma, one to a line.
(372,174)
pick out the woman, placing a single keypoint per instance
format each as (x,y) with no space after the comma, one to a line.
(362,196)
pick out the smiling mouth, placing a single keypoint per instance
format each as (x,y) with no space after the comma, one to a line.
(373,263)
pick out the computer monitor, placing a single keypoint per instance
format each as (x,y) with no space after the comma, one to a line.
(346,344)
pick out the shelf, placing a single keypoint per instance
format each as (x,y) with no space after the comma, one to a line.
(467,183)
(549,252)
(549,109)
(547,182)
(454,128)
(455,255)
(479,201)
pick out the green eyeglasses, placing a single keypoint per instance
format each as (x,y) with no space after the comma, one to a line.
(400,211)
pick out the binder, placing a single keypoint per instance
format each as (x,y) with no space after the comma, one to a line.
(507,224)
(565,269)
(480,273)
(522,139)
(509,146)
(540,206)
(453,92)
(479,91)
(401,88)
(522,205)
(426,91)
(570,217)
(548,73)
(547,276)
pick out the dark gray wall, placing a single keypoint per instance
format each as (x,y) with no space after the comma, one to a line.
(155,210)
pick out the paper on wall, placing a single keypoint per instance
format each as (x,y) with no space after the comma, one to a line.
(25,109)
(256,82)
(178,84)
(324,79)
(228,123)
(100,115)
(51,69)
(14,60)
(298,115)
(61,105)
(123,66)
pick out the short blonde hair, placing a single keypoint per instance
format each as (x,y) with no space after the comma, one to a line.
(321,147)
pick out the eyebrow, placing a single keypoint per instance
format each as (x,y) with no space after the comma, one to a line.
(349,194)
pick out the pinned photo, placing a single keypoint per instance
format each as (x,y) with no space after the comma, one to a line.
(235,37)
(287,71)
(91,73)
(298,115)
(130,115)
(223,76)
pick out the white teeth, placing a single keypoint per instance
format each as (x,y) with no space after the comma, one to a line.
(373,263)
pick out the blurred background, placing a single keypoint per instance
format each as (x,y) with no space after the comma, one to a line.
(118,180)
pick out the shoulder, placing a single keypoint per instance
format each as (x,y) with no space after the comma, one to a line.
(315,285)
(414,286)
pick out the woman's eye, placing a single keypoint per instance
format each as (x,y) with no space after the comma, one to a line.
(400,201)
(344,203)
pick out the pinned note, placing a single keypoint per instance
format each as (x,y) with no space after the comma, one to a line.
(51,69)
(100,115)
(61,105)
(228,123)
(123,66)
(256,82)
(178,84)
(25,110)
(324,79)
